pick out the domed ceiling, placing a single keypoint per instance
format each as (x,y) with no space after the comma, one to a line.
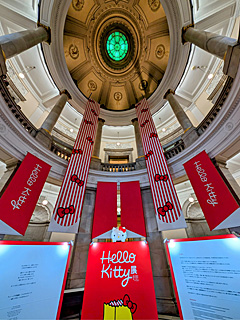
(116,52)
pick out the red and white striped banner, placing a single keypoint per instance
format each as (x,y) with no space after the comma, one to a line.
(166,203)
(69,204)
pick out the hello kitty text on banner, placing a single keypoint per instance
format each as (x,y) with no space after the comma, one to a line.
(69,204)
(166,203)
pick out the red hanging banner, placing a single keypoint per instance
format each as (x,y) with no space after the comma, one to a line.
(69,204)
(131,208)
(119,282)
(218,204)
(105,212)
(166,203)
(20,198)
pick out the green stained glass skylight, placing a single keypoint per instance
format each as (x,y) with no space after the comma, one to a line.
(117,46)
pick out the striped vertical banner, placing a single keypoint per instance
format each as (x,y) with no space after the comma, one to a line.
(166,203)
(67,211)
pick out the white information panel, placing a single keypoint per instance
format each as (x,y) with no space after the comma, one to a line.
(206,276)
(31,279)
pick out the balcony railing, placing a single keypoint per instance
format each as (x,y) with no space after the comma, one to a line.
(118,167)
(16,109)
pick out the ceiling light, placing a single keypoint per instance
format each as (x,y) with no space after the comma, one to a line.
(21,75)
(164,129)
(71,130)
(191,199)
(118,143)
(26,70)
(210,76)
(45,202)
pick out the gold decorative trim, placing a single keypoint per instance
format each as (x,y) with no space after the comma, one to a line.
(47,131)
(167,93)
(4,55)
(141,156)
(184,29)
(95,157)
(39,24)
(67,93)
(187,130)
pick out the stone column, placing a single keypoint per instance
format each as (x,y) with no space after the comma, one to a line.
(97,143)
(140,161)
(208,41)
(190,134)
(166,302)
(15,43)
(11,168)
(55,113)
(78,267)
(95,161)
(222,47)
(44,134)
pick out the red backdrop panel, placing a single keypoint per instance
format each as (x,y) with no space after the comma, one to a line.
(131,207)
(119,273)
(213,195)
(166,203)
(68,208)
(20,198)
(105,212)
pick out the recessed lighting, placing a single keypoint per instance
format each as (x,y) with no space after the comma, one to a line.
(21,75)
(71,130)
(118,143)
(191,199)
(45,202)
(164,129)
(210,76)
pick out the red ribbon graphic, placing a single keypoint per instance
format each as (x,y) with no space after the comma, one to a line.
(162,210)
(88,122)
(94,112)
(90,140)
(74,178)
(63,211)
(150,152)
(159,177)
(77,151)
(153,135)
(123,229)
(128,303)
(144,123)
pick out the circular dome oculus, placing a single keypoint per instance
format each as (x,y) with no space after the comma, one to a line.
(117,46)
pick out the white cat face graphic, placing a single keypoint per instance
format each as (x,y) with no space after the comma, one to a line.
(119,234)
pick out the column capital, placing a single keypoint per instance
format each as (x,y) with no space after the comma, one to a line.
(39,24)
(184,29)
(167,93)
(134,120)
(67,94)
(101,120)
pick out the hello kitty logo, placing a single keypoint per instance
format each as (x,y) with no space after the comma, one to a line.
(119,234)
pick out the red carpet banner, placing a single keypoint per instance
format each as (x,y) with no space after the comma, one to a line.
(166,203)
(119,282)
(218,205)
(20,198)
(105,211)
(69,204)
(131,209)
